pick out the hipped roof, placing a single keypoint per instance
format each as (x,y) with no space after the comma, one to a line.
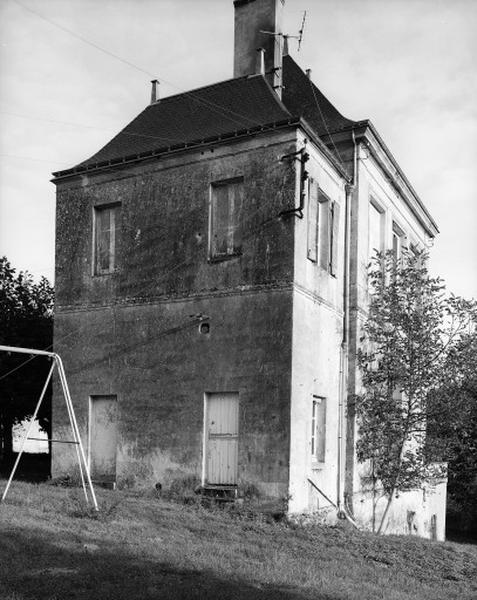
(221,109)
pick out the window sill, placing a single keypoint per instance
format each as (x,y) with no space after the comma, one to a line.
(224,257)
(317,466)
(105,274)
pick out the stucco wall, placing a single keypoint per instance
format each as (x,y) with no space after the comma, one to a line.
(371,183)
(134,333)
(419,512)
(159,365)
(317,336)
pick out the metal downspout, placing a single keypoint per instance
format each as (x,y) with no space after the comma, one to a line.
(341,505)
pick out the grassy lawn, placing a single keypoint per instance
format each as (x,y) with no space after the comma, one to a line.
(142,547)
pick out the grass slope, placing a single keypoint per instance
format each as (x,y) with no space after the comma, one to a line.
(51,548)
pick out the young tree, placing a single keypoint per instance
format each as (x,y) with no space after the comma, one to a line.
(452,432)
(410,348)
(26,320)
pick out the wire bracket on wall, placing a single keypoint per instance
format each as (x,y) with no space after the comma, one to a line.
(303,157)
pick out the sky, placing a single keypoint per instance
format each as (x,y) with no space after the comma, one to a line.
(74,72)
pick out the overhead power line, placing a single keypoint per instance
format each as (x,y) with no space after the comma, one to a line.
(224,111)
(83,39)
(59,162)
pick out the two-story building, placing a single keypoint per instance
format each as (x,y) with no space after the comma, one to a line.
(211,282)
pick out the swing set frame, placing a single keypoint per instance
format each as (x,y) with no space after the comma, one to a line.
(84,469)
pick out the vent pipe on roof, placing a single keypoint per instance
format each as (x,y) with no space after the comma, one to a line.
(308,73)
(154,91)
(260,61)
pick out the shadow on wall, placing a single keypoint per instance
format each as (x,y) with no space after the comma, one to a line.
(31,567)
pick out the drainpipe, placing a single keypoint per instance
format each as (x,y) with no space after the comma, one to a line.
(343,392)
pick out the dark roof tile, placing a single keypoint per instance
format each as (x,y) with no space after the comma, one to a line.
(219,109)
(304,99)
(208,112)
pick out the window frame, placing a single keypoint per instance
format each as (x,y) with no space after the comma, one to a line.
(397,233)
(212,255)
(313,231)
(114,207)
(318,430)
(374,204)
(328,227)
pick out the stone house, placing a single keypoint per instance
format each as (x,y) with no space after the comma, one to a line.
(211,281)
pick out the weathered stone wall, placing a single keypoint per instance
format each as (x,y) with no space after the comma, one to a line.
(134,333)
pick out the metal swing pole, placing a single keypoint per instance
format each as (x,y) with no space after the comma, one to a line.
(69,405)
(75,425)
(27,433)
(75,437)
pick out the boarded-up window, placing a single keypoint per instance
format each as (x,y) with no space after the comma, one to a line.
(225,217)
(313,213)
(376,229)
(105,238)
(318,429)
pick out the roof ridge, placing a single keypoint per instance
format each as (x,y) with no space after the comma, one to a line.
(314,89)
(202,87)
(275,96)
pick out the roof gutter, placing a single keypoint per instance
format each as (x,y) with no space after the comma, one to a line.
(365,132)
(168,150)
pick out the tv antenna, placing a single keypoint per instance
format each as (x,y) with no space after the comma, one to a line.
(298,37)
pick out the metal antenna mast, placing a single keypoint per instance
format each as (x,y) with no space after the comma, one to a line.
(298,37)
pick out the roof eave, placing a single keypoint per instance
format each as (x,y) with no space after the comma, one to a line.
(168,150)
(310,132)
(367,133)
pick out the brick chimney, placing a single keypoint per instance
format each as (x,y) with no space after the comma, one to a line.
(252,18)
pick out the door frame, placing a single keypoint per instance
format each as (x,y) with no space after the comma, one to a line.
(90,423)
(205,431)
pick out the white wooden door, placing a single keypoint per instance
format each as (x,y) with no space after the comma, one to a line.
(222,416)
(103,438)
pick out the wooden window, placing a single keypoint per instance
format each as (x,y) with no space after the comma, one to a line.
(376,229)
(328,233)
(334,234)
(398,241)
(313,213)
(225,218)
(105,238)
(318,429)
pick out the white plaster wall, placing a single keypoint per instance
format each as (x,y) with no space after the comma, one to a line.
(372,183)
(317,336)
(410,513)
(431,499)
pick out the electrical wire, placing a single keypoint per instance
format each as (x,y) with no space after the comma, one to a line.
(50,162)
(150,285)
(325,124)
(224,111)
(95,127)
(82,39)
(220,109)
